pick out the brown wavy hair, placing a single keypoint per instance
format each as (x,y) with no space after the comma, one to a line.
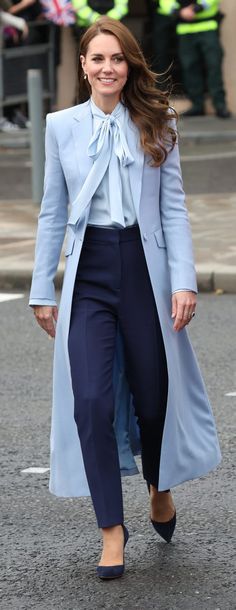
(149,107)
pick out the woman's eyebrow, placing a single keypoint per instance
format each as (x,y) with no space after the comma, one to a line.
(114,55)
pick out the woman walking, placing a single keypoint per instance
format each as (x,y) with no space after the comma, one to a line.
(123,364)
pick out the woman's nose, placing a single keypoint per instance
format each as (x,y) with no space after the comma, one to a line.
(107,66)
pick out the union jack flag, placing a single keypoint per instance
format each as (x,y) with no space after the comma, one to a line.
(58,11)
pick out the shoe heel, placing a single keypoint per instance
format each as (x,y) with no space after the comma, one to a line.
(126,535)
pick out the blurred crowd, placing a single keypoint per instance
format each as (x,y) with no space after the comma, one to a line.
(184,33)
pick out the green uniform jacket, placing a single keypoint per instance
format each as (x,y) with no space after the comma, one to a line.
(86,15)
(206,17)
(206,14)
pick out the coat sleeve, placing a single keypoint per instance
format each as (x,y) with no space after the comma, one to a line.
(175,224)
(51,224)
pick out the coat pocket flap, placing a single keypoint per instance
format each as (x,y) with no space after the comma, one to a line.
(160,238)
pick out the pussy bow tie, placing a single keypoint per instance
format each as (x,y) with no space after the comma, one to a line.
(108,149)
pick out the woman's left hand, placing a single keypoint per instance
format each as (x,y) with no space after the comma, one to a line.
(183,308)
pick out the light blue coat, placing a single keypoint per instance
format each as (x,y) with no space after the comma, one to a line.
(190,446)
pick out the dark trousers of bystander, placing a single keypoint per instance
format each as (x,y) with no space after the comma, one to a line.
(201,57)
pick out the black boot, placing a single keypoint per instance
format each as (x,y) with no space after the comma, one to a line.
(193,111)
(223,113)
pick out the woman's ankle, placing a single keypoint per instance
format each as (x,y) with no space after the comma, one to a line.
(113,530)
(113,545)
(155,492)
(162,505)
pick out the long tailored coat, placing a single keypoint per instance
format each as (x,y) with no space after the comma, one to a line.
(189,446)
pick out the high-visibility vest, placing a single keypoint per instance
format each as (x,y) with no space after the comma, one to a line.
(87,11)
(167,7)
(204,21)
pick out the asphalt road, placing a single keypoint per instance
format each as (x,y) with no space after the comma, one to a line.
(50,546)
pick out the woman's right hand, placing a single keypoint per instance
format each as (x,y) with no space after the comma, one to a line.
(46,318)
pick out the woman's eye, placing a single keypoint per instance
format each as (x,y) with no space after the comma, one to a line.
(117,60)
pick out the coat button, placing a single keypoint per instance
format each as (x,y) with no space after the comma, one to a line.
(145,236)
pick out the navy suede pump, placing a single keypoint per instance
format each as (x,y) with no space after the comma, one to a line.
(109,572)
(165,529)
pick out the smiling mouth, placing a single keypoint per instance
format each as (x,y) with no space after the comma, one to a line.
(107,80)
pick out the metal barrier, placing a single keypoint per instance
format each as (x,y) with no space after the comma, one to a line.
(16,61)
(35,99)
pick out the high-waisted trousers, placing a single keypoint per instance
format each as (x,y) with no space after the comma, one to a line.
(113,288)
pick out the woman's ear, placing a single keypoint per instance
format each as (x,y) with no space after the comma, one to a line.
(82,61)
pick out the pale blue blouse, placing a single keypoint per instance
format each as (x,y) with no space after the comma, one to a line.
(100,210)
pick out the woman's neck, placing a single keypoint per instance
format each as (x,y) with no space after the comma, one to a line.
(106,104)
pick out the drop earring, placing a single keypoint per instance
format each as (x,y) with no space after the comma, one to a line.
(85,76)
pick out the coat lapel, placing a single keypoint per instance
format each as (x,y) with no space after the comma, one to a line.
(82,133)
(136,168)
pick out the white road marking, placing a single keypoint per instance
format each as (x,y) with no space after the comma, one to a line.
(230,394)
(35,470)
(7,296)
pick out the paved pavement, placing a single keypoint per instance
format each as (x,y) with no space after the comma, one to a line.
(208,151)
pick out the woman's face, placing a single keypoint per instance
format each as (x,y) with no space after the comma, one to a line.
(106,69)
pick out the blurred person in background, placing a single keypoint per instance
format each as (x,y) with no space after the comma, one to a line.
(15,29)
(30,10)
(12,22)
(87,11)
(201,55)
(163,33)
(6,19)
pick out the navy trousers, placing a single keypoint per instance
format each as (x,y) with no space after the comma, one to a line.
(113,287)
